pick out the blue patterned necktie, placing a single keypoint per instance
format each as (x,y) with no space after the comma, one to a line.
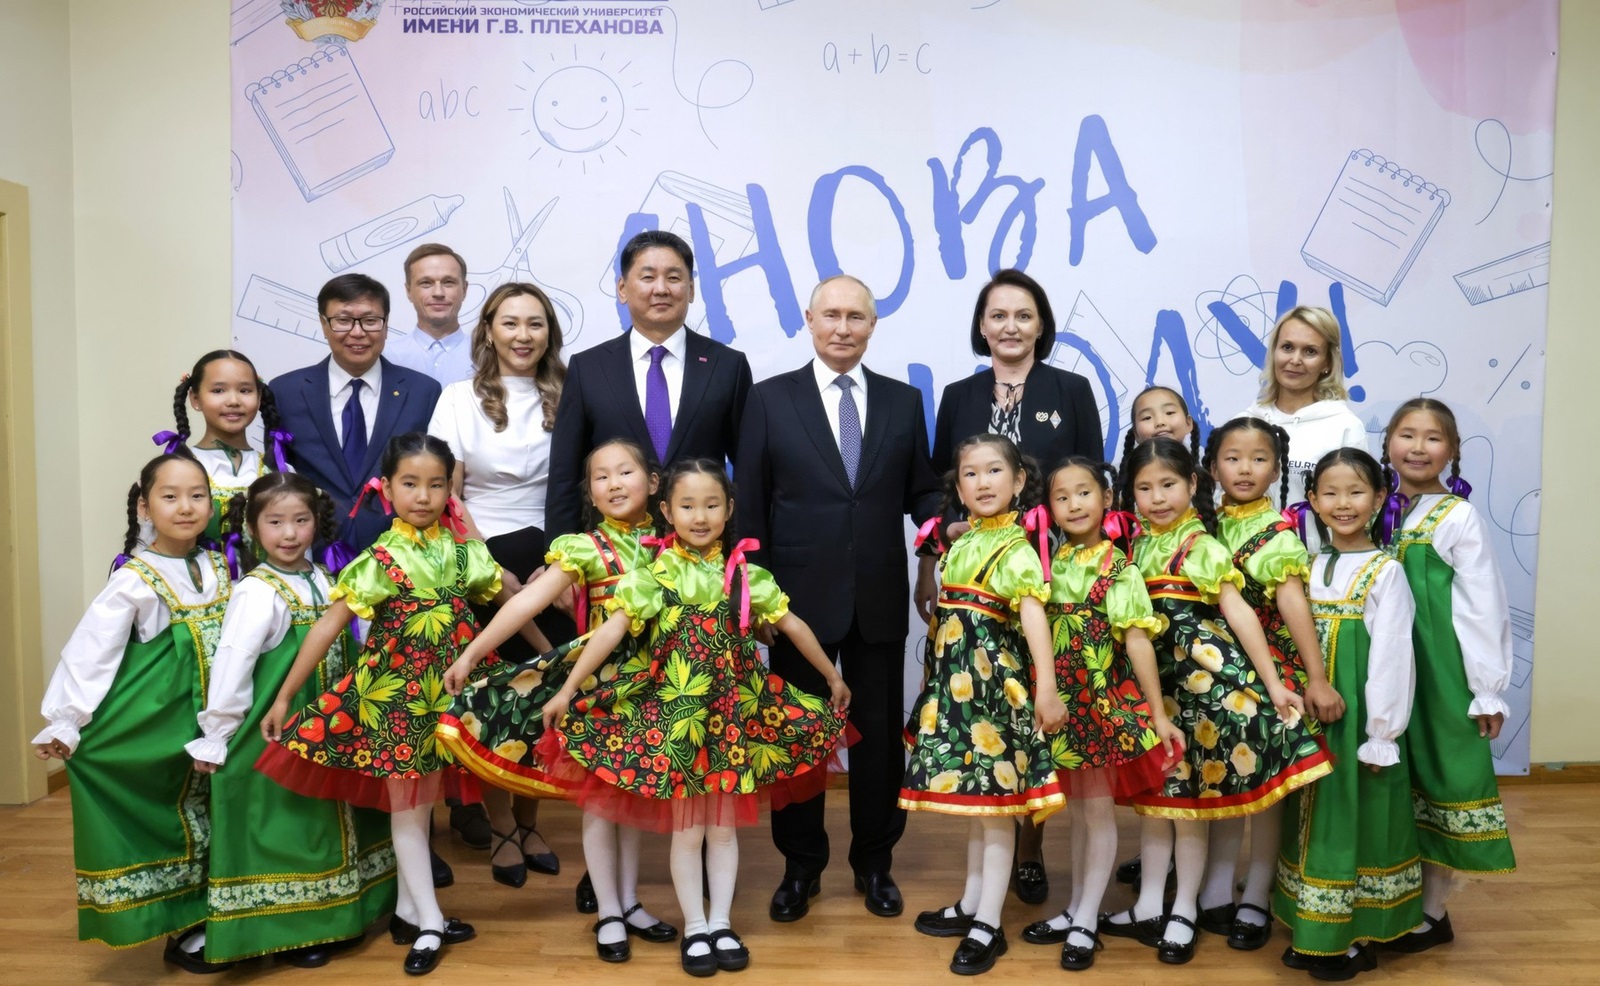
(849,428)
(355,432)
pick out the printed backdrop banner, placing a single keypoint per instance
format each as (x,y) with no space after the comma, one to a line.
(1175,174)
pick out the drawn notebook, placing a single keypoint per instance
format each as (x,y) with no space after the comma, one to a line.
(322,121)
(1374,223)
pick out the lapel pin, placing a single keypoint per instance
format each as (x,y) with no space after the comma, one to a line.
(1055,419)
(702,359)
(1041,416)
(394,393)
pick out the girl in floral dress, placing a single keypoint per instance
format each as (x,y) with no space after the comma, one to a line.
(978,743)
(1463,653)
(121,705)
(690,742)
(370,740)
(288,875)
(1246,743)
(1115,743)
(1350,871)
(1246,457)
(496,722)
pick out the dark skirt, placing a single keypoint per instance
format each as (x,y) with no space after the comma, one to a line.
(522,553)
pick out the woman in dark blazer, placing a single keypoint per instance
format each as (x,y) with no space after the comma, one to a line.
(1049,412)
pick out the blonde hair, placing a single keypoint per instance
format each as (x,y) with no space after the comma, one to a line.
(548,375)
(1330,387)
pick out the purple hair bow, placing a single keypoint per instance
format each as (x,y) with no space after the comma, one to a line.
(1460,487)
(335,555)
(1394,510)
(276,440)
(1295,513)
(170,439)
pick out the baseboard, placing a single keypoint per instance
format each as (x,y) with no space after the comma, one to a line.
(1555,773)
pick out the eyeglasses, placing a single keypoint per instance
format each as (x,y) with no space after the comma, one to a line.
(341,324)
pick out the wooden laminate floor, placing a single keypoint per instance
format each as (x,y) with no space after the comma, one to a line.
(1540,925)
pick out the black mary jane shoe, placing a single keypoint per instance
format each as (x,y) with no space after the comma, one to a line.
(455,932)
(1342,968)
(422,960)
(1217,920)
(1298,960)
(191,961)
(515,875)
(730,958)
(1129,871)
(698,965)
(1031,883)
(1076,958)
(973,958)
(1247,937)
(1439,933)
(306,957)
(1146,932)
(1040,932)
(1171,952)
(546,862)
(939,925)
(583,897)
(614,951)
(659,933)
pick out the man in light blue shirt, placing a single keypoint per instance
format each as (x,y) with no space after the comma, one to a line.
(436,284)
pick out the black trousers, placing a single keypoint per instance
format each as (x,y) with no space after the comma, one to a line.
(875,674)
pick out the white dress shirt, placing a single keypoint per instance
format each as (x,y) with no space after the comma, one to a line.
(1391,667)
(1479,610)
(828,385)
(446,360)
(506,473)
(671,365)
(339,394)
(257,621)
(126,608)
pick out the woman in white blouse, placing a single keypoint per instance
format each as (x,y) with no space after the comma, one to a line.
(498,425)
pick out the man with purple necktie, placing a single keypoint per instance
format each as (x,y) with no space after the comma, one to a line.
(675,392)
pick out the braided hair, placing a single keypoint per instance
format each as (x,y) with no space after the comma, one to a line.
(1131,439)
(271,487)
(1033,488)
(591,512)
(1363,463)
(1446,419)
(1278,435)
(189,386)
(1104,473)
(1172,454)
(140,491)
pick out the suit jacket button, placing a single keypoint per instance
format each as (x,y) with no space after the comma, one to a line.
(855,503)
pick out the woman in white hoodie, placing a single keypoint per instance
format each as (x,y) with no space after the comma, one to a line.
(1302,390)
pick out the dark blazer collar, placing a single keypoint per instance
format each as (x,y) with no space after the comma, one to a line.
(814,417)
(699,366)
(314,395)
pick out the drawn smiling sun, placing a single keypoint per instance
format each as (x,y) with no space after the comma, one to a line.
(578,109)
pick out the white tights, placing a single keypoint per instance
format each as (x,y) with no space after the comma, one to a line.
(990,842)
(721,872)
(416,903)
(1094,856)
(612,855)
(1438,883)
(1222,862)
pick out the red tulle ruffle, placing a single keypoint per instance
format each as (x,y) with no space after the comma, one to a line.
(314,780)
(1125,781)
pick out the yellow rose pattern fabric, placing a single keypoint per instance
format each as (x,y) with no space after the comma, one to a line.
(494,726)
(974,747)
(1240,756)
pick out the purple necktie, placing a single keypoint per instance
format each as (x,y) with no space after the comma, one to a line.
(657,409)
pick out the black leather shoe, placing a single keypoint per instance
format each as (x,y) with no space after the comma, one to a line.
(443,875)
(471,824)
(1247,937)
(1030,882)
(616,952)
(1298,960)
(697,965)
(309,957)
(1040,932)
(1341,968)
(1076,958)
(424,957)
(194,962)
(516,874)
(547,863)
(792,900)
(1129,871)
(455,932)
(1146,932)
(1217,920)
(659,933)
(883,895)
(1173,953)
(936,924)
(729,950)
(1439,933)
(583,896)
(971,958)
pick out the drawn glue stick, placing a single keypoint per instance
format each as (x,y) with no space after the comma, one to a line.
(388,231)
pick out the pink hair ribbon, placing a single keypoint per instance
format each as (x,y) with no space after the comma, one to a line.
(454,520)
(373,485)
(1037,522)
(660,542)
(1120,525)
(738,562)
(170,439)
(930,531)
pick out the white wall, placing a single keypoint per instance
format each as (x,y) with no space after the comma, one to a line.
(131,276)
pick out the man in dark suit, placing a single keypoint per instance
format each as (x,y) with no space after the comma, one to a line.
(831,458)
(675,392)
(343,410)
